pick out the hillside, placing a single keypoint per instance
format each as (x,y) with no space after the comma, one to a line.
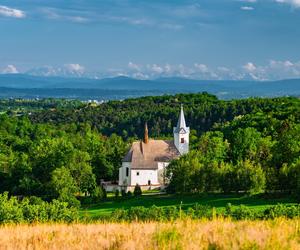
(26,86)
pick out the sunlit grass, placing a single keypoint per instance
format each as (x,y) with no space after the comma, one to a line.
(219,201)
(189,234)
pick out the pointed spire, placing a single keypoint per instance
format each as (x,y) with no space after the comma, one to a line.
(146,137)
(181,121)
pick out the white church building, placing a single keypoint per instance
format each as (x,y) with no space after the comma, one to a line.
(146,161)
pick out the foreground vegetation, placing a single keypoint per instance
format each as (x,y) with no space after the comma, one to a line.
(184,234)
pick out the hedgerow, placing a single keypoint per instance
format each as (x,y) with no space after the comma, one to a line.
(172,213)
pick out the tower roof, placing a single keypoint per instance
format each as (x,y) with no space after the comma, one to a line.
(181,121)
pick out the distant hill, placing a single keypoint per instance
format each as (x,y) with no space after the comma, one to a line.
(19,85)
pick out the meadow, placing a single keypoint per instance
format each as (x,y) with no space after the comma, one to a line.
(184,234)
(219,201)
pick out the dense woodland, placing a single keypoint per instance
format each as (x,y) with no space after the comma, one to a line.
(63,149)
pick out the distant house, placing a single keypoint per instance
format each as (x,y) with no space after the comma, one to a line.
(146,161)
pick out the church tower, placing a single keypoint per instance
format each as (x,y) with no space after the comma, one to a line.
(181,134)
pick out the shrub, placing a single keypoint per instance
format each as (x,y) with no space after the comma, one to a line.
(123,193)
(171,213)
(137,190)
(281,210)
(35,210)
(10,211)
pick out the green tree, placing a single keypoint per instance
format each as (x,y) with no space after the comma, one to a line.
(64,186)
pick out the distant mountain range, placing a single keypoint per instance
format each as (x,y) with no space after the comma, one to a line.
(27,86)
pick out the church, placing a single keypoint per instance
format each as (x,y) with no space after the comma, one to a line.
(146,161)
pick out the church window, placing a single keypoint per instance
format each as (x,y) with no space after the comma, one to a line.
(182,140)
(137,173)
(149,182)
(127,172)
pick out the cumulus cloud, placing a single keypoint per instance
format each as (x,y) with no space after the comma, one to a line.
(249,67)
(74,67)
(155,68)
(201,67)
(10,12)
(10,69)
(294,3)
(272,70)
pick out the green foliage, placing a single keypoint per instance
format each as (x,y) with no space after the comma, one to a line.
(137,190)
(117,193)
(200,212)
(34,210)
(250,145)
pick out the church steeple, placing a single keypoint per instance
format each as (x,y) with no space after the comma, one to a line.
(181,134)
(146,136)
(181,120)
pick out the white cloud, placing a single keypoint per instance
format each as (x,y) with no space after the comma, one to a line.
(248,1)
(155,68)
(247,8)
(294,3)
(134,66)
(10,12)
(10,69)
(201,67)
(74,67)
(57,14)
(249,67)
(273,70)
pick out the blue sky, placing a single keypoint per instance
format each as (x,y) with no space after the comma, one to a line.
(204,39)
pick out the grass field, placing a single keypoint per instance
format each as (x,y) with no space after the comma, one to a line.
(219,201)
(217,234)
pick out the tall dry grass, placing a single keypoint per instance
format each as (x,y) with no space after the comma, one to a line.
(217,234)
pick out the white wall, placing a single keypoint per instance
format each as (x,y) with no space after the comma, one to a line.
(183,148)
(123,179)
(143,177)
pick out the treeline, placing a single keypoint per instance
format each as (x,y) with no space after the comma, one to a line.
(126,118)
(13,106)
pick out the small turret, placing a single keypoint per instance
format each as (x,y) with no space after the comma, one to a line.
(146,136)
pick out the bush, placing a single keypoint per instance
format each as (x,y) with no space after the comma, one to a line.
(281,210)
(10,211)
(137,190)
(35,210)
(203,212)
(123,193)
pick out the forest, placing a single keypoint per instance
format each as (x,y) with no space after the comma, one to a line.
(59,149)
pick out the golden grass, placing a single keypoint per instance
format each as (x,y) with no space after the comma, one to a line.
(216,234)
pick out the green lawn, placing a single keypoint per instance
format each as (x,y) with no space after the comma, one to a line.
(218,201)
